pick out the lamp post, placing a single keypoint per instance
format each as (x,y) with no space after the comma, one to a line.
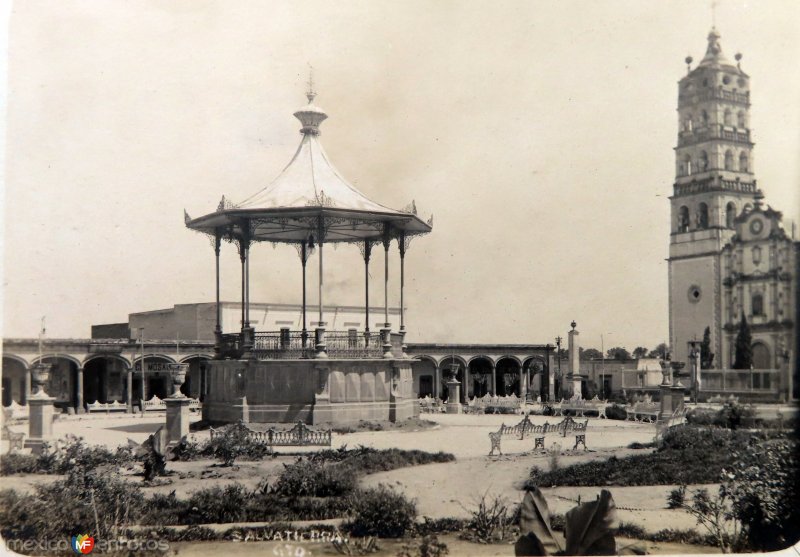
(141,364)
(558,359)
(603,366)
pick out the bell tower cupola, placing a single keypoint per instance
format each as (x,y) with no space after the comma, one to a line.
(714,177)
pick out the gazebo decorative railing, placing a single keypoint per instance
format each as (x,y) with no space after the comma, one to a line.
(285,344)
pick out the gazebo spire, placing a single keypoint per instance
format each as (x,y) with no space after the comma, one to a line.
(310,116)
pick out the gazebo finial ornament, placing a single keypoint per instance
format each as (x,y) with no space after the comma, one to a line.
(310,93)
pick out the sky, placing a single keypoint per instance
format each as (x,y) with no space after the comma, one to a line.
(539,134)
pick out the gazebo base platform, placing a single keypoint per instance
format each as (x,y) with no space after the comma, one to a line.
(319,391)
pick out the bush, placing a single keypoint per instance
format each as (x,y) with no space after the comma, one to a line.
(676,498)
(85,500)
(734,415)
(491,521)
(220,504)
(429,546)
(381,512)
(439,526)
(18,464)
(616,412)
(312,478)
(764,484)
(235,442)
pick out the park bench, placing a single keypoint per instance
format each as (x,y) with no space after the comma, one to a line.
(15,440)
(298,436)
(15,411)
(488,404)
(641,411)
(567,426)
(107,407)
(580,406)
(428,405)
(154,404)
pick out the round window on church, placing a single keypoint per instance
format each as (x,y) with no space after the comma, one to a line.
(694,294)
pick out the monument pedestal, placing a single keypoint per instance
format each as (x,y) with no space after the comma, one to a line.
(40,422)
(678,392)
(453,405)
(177,418)
(665,411)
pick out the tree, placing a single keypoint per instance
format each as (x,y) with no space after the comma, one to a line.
(659,351)
(706,355)
(590,354)
(743,358)
(640,352)
(618,353)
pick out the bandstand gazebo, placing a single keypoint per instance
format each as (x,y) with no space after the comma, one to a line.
(332,376)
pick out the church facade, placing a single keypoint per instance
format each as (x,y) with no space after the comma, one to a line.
(730,256)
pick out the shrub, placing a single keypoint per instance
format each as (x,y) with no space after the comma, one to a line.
(490,521)
(638,445)
(85,500)
(235,442)
(616,412)
(311,478)
(18,464)
(764,485)
(439,526)
(220,504)
(676,498)
(381,512)
(429,546)
(734,415)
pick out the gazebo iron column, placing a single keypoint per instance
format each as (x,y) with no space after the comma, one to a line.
(387,327)
(218,326)
(247,334)
(304,258)
(319,345)
(366,252)
(402,244)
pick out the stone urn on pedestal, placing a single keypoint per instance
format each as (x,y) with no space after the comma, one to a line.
(41,410)
(453,391)
(666,390)
(177,405)
(677,390)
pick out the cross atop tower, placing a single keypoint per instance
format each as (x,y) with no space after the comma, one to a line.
(714,13)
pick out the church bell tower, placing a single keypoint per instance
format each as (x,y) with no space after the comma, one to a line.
(714,183)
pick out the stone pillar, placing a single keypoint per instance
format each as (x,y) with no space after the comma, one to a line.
(494,379)
(437,382)
(467,383)
(322,411)
(666,392)
(79,388)
(522,384)
(40,410)
(574,376)
(453,396)
(678,391)
(177,405)
(551,384)
(27,393)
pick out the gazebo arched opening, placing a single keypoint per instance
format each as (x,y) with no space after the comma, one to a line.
(16,386)
(481,373)
(509,377)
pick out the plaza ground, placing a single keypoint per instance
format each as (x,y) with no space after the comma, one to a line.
(440,490)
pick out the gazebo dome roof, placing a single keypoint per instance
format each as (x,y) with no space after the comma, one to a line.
(310,197)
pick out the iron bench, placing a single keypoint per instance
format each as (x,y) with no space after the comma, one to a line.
(16,441)
(298,436)
(567,426)
(107,407)
(643,410)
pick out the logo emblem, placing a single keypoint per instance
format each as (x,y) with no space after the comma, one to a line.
(82,544)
